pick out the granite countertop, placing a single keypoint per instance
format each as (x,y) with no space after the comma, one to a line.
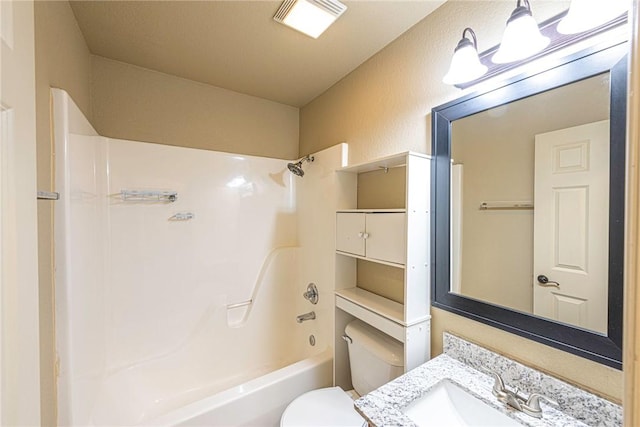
(460,363)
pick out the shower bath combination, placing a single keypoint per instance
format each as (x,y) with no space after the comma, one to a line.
(296,168)
(116,369)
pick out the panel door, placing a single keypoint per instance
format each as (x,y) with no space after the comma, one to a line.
(350,229)
(571,225)
(386,237)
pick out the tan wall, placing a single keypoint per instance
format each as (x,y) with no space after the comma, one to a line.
(134,103)
(62,60)
(380,279)
(383,108)
(496,149)
(382,190)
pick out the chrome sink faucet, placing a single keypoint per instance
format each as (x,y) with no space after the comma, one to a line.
(530,405)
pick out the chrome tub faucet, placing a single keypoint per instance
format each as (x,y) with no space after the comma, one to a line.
(307,316)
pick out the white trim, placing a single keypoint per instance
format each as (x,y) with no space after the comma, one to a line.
(631,348)
(20,346)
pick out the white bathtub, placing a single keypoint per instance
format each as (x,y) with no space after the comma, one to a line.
(258,402)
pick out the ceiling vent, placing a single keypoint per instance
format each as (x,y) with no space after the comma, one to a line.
(311,17)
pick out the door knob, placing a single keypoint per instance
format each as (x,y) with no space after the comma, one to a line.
(544,281)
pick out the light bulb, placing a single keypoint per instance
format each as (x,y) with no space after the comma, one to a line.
(585,15)
(465,64)
(521,38)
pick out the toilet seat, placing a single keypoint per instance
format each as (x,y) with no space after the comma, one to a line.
(322,407)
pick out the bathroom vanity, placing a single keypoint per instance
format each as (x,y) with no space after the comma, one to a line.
(461,366)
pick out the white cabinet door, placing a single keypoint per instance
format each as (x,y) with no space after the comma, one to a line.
(386,237)
(350,229)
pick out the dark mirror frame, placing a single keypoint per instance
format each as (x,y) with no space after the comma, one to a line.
(594,346)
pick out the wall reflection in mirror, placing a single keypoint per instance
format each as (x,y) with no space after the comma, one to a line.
(530,204)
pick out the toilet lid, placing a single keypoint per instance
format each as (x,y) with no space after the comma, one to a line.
(323,407)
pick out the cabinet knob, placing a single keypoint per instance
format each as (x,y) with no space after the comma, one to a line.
(361,235)
(365,235)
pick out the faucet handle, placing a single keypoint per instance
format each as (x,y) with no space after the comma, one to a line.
(312,293)
(499,388)
(533,402)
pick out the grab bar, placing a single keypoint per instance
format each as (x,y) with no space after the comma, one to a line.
(48,195)
(149,196)
(486,206)
(240,304)
(256,286)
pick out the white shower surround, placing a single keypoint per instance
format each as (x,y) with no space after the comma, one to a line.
(142,324)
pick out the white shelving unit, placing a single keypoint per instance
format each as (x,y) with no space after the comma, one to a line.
(395,237)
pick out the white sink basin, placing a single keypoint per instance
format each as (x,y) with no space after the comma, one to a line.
(446,404)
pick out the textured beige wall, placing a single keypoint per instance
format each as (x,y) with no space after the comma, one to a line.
(381,279)
(130,102)
(496,148)
(62,60)
(382,190)
(383,108)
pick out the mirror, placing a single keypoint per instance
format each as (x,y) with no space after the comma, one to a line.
(537,152)
(528,204)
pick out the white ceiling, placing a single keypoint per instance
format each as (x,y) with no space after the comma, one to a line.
(238,46)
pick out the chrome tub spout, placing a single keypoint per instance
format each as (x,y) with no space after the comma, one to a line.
(307,316)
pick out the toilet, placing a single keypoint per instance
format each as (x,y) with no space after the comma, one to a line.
(374,358)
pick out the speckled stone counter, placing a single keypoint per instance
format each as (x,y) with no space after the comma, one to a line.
(460,363)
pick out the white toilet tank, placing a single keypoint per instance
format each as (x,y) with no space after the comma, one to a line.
(375,358)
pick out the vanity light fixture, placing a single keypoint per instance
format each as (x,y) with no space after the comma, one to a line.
(585,15)
(465,64)
(311,17)
(522,37)
(552,40)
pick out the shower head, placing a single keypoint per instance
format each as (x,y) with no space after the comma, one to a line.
(296,168)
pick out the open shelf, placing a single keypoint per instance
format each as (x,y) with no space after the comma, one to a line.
(402,210)
(379,261)
(379,312)
(382,306)
(389,162)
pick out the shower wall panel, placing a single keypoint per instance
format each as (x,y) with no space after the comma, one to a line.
(81,283)
(166,274)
